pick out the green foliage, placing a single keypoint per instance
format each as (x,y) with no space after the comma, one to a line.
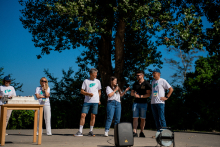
(202,99)
(21,119)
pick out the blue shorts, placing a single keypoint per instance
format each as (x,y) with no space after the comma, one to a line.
(139,108)
(94,108)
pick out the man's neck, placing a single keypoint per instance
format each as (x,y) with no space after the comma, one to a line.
(157,78)
(141,80)
(91,78)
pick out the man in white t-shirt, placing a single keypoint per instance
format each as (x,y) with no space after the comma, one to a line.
(158,98)
(91,88)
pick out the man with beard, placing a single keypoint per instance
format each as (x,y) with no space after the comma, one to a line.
(141,91)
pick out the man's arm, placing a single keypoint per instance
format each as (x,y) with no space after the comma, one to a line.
(168,95)
(100,91)
(132,93)
(86,93)
(148,93)
(170,92)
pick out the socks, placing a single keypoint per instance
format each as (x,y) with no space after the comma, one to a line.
(80,128)
(91,128)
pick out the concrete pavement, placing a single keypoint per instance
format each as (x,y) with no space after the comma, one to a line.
(64,137)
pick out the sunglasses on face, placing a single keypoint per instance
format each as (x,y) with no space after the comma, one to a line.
(7,81)
(43,81)
(138,75)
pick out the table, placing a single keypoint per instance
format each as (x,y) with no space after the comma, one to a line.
(35,107)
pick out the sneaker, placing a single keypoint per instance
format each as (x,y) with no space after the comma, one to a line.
(141,134)
(135,134)
(37,133)
(6,134)
(106,134)
(91,134)
(78,134)
(49,134)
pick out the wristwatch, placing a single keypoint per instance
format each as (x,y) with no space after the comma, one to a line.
(166,96)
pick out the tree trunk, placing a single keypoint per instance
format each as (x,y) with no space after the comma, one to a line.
(104,62)
(119,53)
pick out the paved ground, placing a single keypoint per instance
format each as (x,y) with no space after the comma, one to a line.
(64,137)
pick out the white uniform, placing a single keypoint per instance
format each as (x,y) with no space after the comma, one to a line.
(92,86)
(46,109)
(10,91)
(158,90)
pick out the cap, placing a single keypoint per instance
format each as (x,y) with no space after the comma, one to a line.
(156,70)
(7,78)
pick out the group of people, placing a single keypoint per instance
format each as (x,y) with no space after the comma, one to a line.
(42,93)
(91,88)
(141,90)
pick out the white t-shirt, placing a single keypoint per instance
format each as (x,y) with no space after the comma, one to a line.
(158,90)
(91,86)
(43,101)
(116,96)
(7,90)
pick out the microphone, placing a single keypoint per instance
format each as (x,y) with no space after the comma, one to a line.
(117,86)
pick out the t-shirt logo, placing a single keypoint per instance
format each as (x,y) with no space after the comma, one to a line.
(92,84)
(41,93)
(155,85)
(7,90)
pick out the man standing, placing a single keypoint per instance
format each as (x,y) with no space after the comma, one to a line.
(141,91)
(91,88)
(158,98)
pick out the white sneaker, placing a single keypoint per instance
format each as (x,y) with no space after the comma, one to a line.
(106,134)
(49,134)
(6,134)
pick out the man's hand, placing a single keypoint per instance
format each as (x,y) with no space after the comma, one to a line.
(99,102)
(136,95)
(90,94)
(163,98)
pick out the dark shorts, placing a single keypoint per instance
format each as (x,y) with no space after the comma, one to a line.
(94,108)
(139,109)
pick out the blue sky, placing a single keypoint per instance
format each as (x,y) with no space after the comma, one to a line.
(18,54)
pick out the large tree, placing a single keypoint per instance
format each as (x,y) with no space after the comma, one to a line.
(117,34)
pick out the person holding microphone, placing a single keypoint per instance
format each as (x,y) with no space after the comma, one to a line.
(114,103)
(43,93)
(141,91)
(9,91)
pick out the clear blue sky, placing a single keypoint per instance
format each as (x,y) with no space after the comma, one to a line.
(18,54)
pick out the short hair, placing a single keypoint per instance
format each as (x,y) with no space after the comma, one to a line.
(140,71)
(92,70)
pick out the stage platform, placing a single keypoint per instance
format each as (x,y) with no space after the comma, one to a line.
(65,138)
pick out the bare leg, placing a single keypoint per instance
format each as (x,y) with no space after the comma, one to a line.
(142,124)
(92,121)
(135,124)
(82,119)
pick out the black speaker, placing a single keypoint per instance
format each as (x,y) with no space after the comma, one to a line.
(123,134)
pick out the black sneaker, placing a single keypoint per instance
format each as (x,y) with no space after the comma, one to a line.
(78,134)
(135,134)
(91,134)
(141,134)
